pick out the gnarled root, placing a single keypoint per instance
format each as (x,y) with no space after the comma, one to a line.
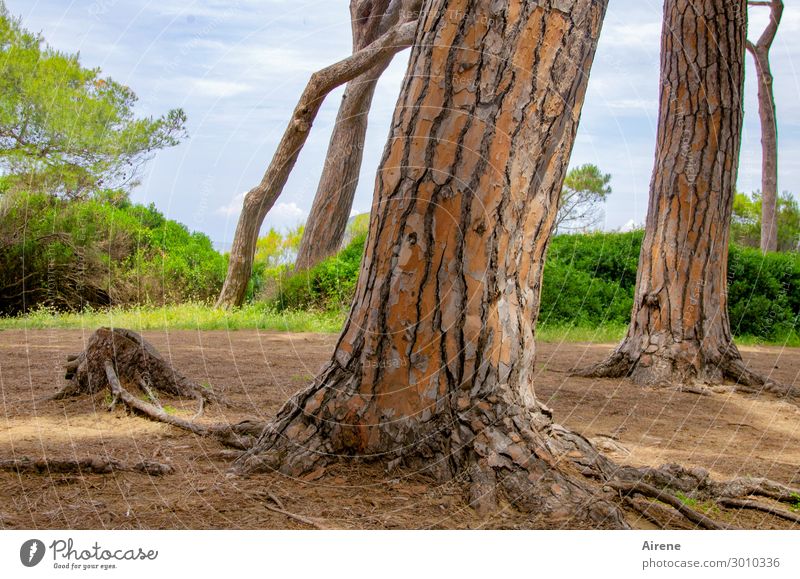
(135,361)
(241,435)
(673,365)
(505,450)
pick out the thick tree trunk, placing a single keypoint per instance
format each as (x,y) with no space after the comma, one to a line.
(434,368)
(260,198)
(679,325)
(769,128)
(327,221)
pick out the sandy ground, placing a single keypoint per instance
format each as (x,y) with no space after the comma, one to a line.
(730,434)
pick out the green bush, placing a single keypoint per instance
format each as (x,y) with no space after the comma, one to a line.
(589,278)
(71,254)
(763,293)
(329,285)
(589,281)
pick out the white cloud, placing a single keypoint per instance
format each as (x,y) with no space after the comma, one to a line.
(232,208)
(280,214)
(631,225)
(286,212)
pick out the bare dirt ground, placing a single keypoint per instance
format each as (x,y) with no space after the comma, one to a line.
(730,434)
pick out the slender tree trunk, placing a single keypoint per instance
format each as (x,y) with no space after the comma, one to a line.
(679,325)
(327,221)
(259,199)
(769,128)
(434,368)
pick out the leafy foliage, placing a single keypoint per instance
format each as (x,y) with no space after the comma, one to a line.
(64,129)
(329,285)
(589,279)
(579,207)
(746,221)
(589,282)
(72,254)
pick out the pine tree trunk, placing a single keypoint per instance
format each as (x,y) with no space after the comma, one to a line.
(434,369)
(327,221)
(769,130)
(679,325)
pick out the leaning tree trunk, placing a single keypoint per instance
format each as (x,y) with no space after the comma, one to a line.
(434,368)
(327,221)
(679,326)
(259,200)
(769,128)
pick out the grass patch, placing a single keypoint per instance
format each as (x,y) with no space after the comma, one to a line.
(571,333)
(264,316)
(188,316)
(788,339)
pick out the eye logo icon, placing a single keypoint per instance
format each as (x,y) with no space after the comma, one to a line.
(31,553)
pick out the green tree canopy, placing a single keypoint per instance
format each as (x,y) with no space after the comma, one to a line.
(64,129)
(579,208)
(746,221)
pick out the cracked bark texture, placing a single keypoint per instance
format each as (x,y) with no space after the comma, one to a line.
(679,326)
(769,127)
(327,220)
(434,368)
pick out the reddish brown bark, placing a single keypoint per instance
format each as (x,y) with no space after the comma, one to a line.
(327,221)
(769,127)
(434,368)
(679,325)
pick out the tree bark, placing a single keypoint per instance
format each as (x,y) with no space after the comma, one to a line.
(679,327)
(327,220)
(769,128)
(259,199)
(434,368)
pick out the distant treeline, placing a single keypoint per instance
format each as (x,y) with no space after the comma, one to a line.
(589,280)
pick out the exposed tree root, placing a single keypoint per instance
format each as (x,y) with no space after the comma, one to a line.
(758,506)
(660,515)
(509,447)
(93,465)
(662,369)
(241,435)
(649,491)
(135,361)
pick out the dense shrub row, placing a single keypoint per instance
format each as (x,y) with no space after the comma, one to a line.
(72,254)
(589,280)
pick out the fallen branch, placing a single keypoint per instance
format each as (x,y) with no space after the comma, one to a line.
(296,517)
(93,465)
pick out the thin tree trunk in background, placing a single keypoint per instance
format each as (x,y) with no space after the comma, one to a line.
(769,127)
(259,199)
(434,368)
(327,221)
(679,325)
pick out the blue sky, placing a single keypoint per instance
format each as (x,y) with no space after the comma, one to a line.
(237,67)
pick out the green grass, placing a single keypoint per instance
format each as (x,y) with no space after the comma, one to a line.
(568,333)
(189,316)
(261,316)
(789,340)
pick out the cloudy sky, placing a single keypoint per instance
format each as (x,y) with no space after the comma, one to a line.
(238,66)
